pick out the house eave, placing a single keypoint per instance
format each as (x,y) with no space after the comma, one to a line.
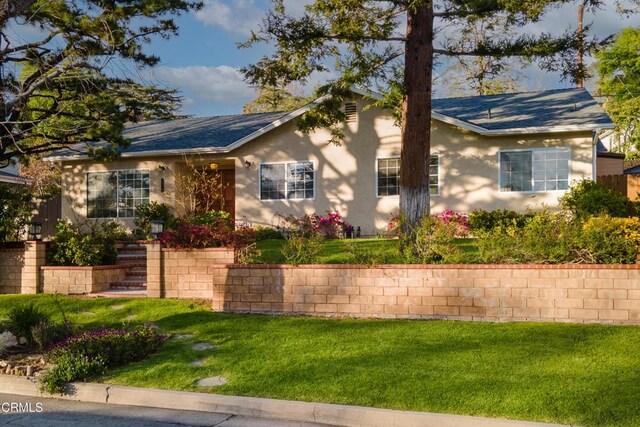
(16,180)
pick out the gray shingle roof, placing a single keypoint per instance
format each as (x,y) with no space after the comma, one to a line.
(563,107)
(187,134)
(194,133)
(633,170)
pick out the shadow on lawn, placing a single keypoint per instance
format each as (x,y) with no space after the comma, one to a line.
(545,372)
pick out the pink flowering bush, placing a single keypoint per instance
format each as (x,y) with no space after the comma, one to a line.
(200,236)
(393,226)
(461,222)
(330,226)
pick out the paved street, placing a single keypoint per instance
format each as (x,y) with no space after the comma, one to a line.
(64,413)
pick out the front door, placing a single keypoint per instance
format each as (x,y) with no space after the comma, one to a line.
(227,200)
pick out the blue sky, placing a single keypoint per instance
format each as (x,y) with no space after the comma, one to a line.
(203,61)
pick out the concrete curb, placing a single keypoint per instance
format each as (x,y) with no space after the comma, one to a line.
(350,416)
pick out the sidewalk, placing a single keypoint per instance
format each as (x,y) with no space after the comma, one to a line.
(300,412)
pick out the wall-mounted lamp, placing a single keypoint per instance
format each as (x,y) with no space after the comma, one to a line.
(35,231)
(162,168)
(157,228)
(213,166)
(247,164)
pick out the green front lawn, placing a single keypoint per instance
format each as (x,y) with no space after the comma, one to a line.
(334,252)
(573,374)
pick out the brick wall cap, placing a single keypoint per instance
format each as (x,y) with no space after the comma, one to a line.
(438,266)
(90,268)
(198,250)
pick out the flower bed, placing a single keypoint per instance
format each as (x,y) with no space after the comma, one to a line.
(89,354)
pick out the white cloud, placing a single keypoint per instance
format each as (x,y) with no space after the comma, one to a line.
(238,17)
(220,84)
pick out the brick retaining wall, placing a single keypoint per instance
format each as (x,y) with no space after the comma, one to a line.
(20,267)
(80,280)
(182,273)
(561,293)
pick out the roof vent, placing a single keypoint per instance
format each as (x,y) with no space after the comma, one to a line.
(351,112)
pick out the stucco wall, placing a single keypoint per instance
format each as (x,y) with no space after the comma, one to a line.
(346,174)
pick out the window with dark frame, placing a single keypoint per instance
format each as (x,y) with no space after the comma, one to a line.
(292,180)
(389,176)
(116,194)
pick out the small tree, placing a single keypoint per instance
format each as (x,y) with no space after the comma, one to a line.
(273,99)
(44,177)
(15,211)
(198,189)
(588,198)
(619,71)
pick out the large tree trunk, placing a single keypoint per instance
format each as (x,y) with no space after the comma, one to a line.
(580,78)
(416,116)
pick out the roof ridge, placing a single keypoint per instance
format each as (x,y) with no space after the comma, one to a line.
(283,112)
(513,93)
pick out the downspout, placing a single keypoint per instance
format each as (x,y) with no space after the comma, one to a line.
(594,142)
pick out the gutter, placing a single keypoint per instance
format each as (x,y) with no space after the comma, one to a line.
(594,155)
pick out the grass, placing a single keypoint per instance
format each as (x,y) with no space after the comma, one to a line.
(334,251)
(574,374)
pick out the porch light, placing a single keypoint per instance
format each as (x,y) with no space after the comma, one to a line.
(247,164)
(157,228)
(35,231)
(213,166)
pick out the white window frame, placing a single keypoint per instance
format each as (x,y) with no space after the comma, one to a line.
(286,182)
(508,150)
(397,195)
(148,171)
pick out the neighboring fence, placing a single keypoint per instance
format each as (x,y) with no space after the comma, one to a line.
(628,185)
(20,267)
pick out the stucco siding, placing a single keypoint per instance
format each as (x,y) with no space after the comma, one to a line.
(345,174)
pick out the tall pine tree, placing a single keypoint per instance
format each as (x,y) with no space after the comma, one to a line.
(393,44)
(57,89)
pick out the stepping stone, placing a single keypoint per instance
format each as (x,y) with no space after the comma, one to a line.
(183,336)
(197,363)
(212,382)
(87,313)
(117,307)
(203,346)
(131,317)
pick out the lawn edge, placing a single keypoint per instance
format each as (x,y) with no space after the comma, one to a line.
(324,413)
